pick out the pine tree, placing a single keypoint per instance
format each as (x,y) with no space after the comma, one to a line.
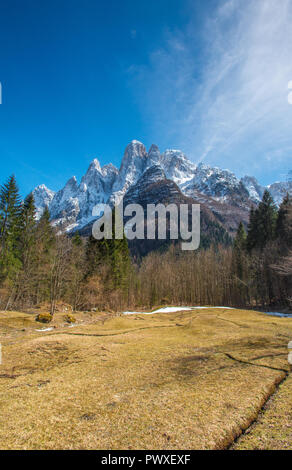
(284,223)
(266,220)
(262,223)
(240,239)
(120,262)
(28,226)
(24,284)
(97,254)
(113,253)
(252,231)
(10,225)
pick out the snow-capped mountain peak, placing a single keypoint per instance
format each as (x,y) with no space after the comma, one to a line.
(42,197)
(94,165)
(71,207)
(253,187)
(177,166)
(279,190)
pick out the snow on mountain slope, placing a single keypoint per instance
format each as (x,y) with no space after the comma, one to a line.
(279,190)
(254,189)
(71,207)
(42,197)
(133,166)
(177,166)
(152,175)
(221,185)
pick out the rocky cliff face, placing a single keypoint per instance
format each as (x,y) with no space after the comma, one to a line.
(226,196)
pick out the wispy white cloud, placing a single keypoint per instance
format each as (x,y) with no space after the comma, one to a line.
(221,92)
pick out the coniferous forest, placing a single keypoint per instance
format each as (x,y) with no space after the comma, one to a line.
(40,266)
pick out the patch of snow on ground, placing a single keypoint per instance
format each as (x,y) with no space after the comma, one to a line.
(172,310)
(278,314)
(46,329)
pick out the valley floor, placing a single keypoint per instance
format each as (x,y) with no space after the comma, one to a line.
(185,380)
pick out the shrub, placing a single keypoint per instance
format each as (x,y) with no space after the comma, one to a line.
(69,318)
(44,318)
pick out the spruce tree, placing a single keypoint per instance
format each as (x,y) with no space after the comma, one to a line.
(45,231)
(113,253)
(97,254)
(240,239)
(24,285)
(284,223)
(252,231)
(266,220)
(28,226)
(10,226)
(262,223)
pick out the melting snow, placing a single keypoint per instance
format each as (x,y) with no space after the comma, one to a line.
(45,329)
(278,314)
(172,309)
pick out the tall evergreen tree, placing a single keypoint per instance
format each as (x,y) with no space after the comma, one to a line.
(10,225)
(240,239)
(266,220)
(113,253)
(24,284)
(284,223)
(97,254)
(252,231)
(28,226)
(262,223)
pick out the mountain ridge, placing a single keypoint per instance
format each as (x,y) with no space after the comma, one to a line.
(220,190)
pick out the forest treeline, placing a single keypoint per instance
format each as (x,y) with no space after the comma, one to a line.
(39,265)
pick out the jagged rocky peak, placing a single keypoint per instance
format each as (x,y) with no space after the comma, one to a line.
(154,156)
(110,174)
(154,150)
(93,168)
(133,165)
(253,187)
(94,165)
(177,166)
(72,184)
(151,187)
(93,177)
(152,175)
(43,197)
(219,184)
(279,190)
(43,192)
(109,169)
(135,150)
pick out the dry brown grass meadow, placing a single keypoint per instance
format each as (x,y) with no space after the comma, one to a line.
(186,380)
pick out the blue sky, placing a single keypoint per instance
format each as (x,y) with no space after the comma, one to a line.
(80,79)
